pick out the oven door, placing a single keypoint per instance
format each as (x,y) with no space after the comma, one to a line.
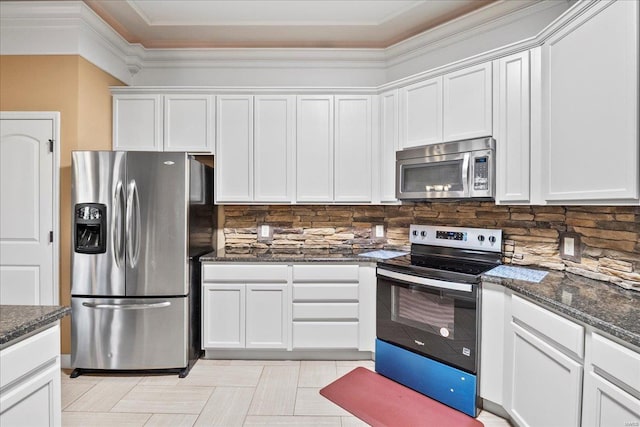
(435,318)
(445,176)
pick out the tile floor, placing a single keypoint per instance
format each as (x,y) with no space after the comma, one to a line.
(216,393)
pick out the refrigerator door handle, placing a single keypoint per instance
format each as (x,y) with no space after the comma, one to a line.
(127,306)
(119,203)
(133,224)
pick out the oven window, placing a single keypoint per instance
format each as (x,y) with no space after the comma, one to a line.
(428,312)
(437,176)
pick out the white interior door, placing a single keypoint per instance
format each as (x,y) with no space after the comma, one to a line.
(27,212)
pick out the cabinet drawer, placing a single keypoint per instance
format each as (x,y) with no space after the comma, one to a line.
(325,335)
(563,331)
(325,311)
(212,272)
(325,273)
(325,292)
(620,362)
(31,353)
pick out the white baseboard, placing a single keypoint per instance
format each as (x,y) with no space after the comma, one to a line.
(65,361)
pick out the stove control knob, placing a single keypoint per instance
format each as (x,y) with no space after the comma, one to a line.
(415,232)
(481,238)
(492,239)
(423,233)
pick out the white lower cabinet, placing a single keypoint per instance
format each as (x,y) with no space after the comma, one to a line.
(611,384)
(30,381)
(544,368)
(267,315)
(245,307)
(325,306)
(288,307)
(546,384)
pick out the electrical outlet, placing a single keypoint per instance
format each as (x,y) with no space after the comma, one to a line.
(377,231)
(570,247)
(265,233)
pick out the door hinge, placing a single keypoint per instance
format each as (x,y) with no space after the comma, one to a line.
(51,237)
(51,145)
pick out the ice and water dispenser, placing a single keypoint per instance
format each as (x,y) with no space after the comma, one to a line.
(90,228)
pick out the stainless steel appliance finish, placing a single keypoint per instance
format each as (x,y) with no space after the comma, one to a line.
(136,304)
(452,170)
(428,302)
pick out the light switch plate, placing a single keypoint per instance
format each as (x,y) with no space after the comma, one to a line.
(265,233)
(570,247)
(377,232)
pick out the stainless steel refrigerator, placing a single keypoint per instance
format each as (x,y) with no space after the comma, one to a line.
(140,222)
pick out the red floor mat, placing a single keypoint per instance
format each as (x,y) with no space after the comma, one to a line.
(382,402)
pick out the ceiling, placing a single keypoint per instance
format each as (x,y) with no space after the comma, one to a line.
(277,23)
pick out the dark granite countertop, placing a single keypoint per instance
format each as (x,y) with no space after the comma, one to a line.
(16,321)
(295,255)
(601,305)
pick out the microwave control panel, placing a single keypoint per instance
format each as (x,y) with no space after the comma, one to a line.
(481,173)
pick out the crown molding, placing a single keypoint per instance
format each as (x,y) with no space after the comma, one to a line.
(464,28)
(71,27)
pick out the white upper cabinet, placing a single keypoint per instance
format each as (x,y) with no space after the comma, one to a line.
(188,123)
(155,122)
(451,107)
(389,144)
(352,165)
(314,148)
(421,113)
(467,103)
(274,142)
(234,139)
(590,107)
(137,122)
(512,127)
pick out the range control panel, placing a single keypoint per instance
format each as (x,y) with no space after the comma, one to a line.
(485,239)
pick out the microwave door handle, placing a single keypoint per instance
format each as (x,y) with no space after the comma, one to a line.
(465,175)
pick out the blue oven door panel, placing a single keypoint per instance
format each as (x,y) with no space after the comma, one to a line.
(441,382)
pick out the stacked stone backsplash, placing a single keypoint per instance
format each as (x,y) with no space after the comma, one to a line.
(609,235)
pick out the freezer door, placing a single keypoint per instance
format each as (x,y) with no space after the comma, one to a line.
(156,224)
(140,333)
(98,209)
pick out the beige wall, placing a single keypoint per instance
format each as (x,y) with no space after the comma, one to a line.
(80,92)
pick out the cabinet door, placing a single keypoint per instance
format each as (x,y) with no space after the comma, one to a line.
(188,123)
(606,405)
(137,122)
(267,316)
(590,106)
(36,401)
(274,140)
(421,113)
(545,384)
(223,316)
(512,118)
(314,149)
(389,144)
(352,169)
(234,149)
(468,103)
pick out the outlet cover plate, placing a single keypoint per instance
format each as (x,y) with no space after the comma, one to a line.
(570,248)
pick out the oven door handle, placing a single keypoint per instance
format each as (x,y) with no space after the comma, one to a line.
(437,284)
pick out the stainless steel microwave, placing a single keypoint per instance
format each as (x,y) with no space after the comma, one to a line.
(451,170)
